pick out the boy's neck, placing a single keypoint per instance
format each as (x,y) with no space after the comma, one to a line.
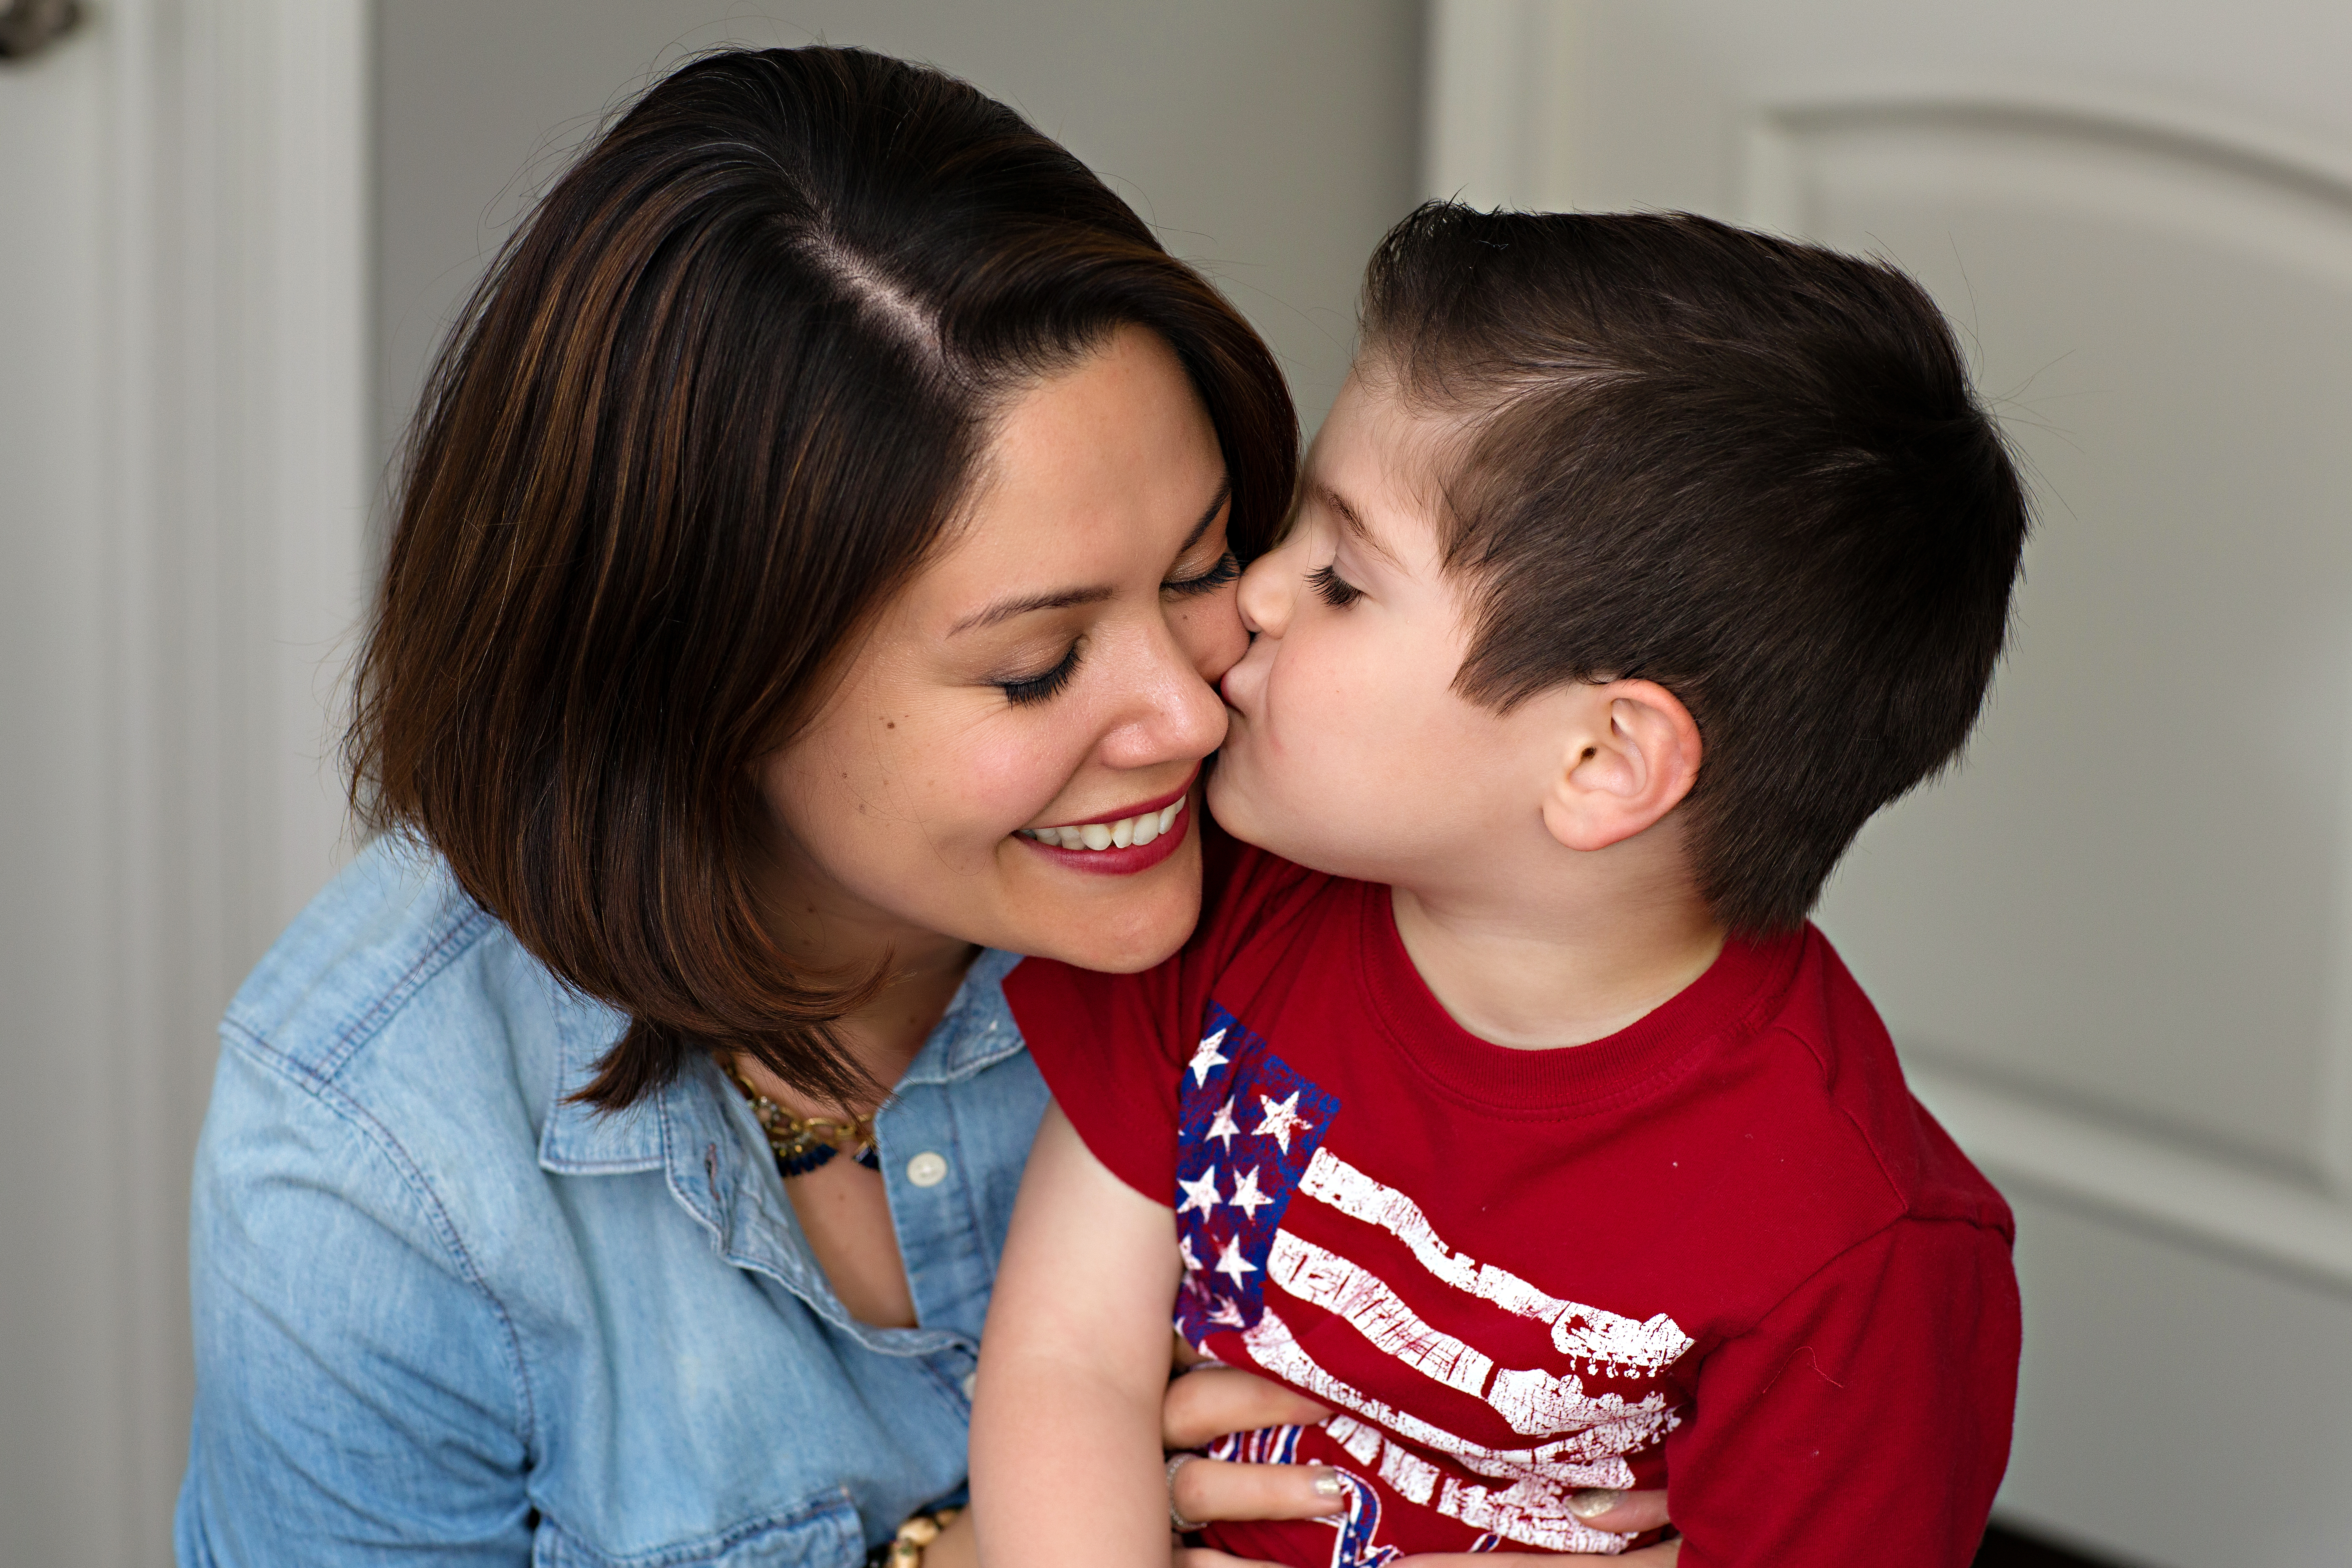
(1539,975)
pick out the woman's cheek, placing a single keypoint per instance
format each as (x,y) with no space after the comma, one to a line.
(1210,631)
(1007,778)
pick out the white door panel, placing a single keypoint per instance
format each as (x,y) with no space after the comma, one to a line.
(2136,876)
(182,483)
(2113,947)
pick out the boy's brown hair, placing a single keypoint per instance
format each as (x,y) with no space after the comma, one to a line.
(716,402)
(1751,470)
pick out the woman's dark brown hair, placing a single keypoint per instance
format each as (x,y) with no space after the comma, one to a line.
(715,403)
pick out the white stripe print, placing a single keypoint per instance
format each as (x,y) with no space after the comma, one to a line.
(1532,1508)
(1603,1340)
(1535,1402)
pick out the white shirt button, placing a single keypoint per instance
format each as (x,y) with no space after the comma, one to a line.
(970,1383)
(926,1169)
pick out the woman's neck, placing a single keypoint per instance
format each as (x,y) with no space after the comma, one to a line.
(822,929)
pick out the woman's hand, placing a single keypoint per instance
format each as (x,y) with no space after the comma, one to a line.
(1212,1401)
(1629,1514)
(1205,1405)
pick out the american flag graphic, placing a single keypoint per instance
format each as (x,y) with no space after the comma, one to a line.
(1247,1126)
(1251,1141)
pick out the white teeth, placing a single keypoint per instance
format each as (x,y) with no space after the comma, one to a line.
(1128,830)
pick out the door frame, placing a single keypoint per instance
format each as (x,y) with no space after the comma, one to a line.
(240,472)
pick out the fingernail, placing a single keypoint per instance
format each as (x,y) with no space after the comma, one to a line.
(1328,1484)
(1590,1502)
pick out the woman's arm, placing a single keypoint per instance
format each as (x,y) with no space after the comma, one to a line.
(1065,1459)
(355,1400)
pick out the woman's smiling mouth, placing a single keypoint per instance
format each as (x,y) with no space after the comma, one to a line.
(1138,830)
(1140,837)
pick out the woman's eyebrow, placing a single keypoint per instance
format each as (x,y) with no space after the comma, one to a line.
(1062,598)
(1216,505)
(1007,609)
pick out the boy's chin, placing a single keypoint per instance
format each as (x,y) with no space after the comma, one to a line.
(1267,824)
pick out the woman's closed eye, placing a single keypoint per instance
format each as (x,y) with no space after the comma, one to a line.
(1041,688)
(1227,569)
(1337,591)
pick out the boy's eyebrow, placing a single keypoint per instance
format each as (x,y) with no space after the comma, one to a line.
(1354,523)
(1062,598)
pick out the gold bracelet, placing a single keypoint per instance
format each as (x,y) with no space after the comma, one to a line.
(918,1531)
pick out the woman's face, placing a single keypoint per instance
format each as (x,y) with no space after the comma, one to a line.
(1052,669)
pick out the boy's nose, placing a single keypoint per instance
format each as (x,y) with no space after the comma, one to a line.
(1268,589)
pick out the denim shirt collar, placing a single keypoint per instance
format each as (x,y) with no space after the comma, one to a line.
(700,1132)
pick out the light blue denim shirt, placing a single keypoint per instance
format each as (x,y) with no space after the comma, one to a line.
(443,1315)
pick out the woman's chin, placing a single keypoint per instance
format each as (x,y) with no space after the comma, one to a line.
(1118,925)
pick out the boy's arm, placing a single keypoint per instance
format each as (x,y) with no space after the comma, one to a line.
(1866,1419)
(1066,1458)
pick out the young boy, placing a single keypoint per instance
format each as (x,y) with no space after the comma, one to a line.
(1505,1102)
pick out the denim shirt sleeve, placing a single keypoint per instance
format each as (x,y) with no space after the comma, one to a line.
(384,1422)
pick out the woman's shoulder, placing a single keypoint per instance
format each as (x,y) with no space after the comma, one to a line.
(395,1001)
(372,939)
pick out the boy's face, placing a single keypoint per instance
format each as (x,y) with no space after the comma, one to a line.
(1348,749)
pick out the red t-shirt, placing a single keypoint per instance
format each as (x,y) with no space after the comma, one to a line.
(1723,1249)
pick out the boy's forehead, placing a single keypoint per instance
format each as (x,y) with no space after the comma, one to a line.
(1378,463)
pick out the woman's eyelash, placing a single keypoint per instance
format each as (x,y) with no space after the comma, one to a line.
(1042,688)
(1337,591)
(1227,568)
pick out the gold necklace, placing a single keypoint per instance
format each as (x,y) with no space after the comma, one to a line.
(802,1144)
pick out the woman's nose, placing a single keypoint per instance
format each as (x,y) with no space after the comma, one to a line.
(1268,590)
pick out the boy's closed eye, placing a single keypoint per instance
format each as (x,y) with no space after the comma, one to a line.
(1336,591)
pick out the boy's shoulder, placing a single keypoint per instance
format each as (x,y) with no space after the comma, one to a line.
(1828,1015)
(1815,1111)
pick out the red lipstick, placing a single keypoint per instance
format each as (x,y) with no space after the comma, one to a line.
(1134,857)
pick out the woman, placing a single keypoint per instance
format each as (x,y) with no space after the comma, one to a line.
(813,560)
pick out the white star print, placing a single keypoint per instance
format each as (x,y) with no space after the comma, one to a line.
(1231,1261)
(1224,1128)
(1227,1313)
(1279,1121)
(1184,1251)
(1247,1197)
(1207,1059)
(1200,1195)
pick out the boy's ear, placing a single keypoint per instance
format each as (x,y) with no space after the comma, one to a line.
(1632,754)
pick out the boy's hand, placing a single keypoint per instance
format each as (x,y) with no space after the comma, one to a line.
(1209,1403)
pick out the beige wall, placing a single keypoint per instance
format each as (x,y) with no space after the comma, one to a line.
(1270,142)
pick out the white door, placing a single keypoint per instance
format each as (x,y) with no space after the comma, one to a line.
(184,480)
(2116,948)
